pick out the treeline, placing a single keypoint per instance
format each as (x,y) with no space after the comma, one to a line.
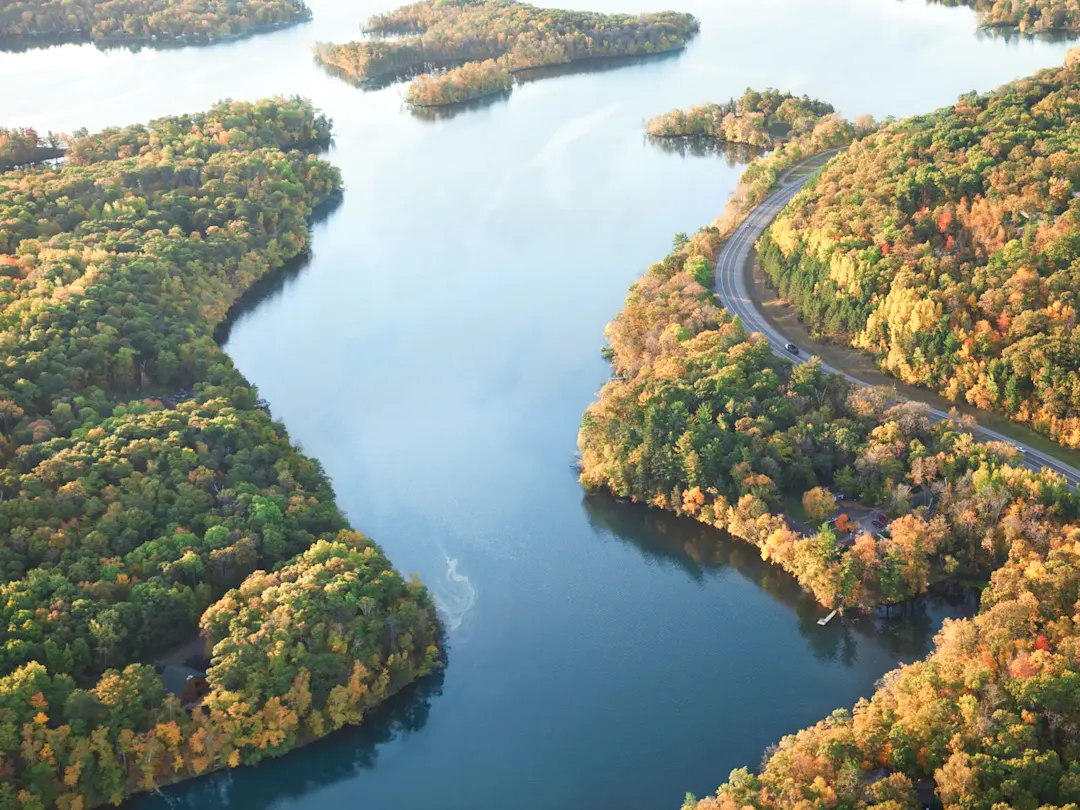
(946,246)
(144,493)
(449,35)
(1031,16)
(145,20)
(756,118)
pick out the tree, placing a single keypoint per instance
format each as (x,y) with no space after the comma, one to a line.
(818,503)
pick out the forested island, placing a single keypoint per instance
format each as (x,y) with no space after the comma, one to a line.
(701,419)
(146,496)
(946,246)
(143,21)
(1031,16)
(470,48)
(760,119)
(22,146)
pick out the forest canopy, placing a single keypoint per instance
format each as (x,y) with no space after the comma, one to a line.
(759,119)
(146,493)
(144,20)
(946,245)
(453,35)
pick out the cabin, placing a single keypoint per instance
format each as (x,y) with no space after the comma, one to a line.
(188,684)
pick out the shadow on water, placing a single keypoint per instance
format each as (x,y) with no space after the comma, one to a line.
(703,552)
(734,154)
(271,285)
(333,759)
(601,64)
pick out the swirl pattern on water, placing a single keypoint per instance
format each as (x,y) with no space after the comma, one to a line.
(455,596)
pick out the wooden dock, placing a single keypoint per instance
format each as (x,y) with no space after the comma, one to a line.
(827,619)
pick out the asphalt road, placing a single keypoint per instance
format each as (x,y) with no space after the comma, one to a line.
(731,287)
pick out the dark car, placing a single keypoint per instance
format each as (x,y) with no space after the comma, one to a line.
(791,347)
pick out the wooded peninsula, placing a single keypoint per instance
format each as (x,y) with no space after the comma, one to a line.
(146,496)
(475,45)
(757,119)
(700,418)
(144,21)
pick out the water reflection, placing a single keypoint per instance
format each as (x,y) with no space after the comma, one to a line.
(1006,34)
(734,154)
(274,282)
(333,759)
(703,552)
(597,65)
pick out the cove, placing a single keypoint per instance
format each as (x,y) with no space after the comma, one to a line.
(435,354)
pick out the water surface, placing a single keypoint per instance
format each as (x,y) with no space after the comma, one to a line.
(436,352)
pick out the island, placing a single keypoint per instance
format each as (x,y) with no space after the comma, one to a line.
(760,119)
(945,246)
(474,46)
(158,22)
(181,593)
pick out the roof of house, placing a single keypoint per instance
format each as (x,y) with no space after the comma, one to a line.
(176,678)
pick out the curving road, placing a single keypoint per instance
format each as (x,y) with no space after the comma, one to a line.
(731,287)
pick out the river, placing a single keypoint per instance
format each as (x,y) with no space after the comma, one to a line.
(436,352)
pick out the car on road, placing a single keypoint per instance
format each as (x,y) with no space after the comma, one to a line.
(791,347)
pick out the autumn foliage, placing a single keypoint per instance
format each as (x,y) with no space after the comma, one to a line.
(946,246)
(145,493)
(141,20)
(503,37)
(756,118)
(1032,16)
(701,418)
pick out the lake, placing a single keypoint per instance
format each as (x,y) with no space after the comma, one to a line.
(436,352)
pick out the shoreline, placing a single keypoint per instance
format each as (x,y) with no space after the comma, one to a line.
(163,41)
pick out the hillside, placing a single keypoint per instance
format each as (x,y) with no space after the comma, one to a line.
(946,245)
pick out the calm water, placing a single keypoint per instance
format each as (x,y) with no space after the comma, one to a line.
(436,353)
